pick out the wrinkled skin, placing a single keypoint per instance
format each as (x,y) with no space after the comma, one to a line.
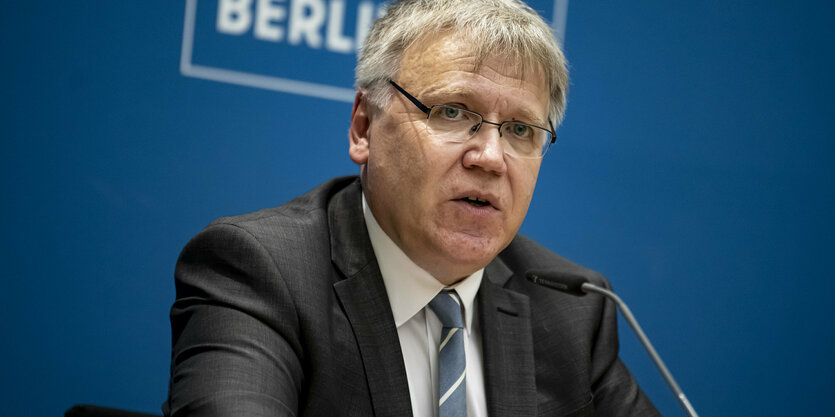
(414,183)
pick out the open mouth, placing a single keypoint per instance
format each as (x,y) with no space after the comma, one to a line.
(475,201)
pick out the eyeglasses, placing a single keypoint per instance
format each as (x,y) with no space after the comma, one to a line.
(454,124)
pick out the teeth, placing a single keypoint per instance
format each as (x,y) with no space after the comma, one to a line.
(475,201)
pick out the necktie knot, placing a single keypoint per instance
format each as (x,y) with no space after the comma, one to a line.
(447,306)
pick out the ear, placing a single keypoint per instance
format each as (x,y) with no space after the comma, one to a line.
(358,133)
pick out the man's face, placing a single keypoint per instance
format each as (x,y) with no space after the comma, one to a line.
(418,186)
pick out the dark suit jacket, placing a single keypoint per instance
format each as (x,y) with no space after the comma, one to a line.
(284,312)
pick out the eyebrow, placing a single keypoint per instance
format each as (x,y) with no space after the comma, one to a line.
(466,93)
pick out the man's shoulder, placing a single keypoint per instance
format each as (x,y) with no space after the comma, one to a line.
(308,209)
(524,254)
(293,233)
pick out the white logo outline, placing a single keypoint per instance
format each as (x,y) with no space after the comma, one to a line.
(284,85)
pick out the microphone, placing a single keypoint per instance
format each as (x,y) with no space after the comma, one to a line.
(562,281)
(579,285)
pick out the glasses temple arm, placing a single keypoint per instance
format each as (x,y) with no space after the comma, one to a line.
(553,131)
(414,101)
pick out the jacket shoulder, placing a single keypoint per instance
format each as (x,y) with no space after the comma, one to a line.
(524,254)
(301,209)
(295,235)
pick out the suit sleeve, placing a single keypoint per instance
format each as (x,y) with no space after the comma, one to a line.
(235,332)
(616,393)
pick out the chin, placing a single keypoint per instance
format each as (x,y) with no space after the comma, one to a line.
(475,254)
(464,252)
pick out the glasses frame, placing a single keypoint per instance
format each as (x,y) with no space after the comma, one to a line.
(428,111)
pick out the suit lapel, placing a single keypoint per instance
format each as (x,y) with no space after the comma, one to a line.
(507,341)
(365,302)
(507,345)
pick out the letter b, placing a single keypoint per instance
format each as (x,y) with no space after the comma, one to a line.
(234,17)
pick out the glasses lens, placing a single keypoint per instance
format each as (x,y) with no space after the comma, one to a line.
(524,140)
(452,123)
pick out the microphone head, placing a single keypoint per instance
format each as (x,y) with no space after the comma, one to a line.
(560,280)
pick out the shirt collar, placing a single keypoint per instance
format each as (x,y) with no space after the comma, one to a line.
(409,287)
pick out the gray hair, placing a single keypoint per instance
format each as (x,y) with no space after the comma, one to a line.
(506,28)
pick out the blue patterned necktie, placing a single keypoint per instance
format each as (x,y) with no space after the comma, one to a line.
(452,360)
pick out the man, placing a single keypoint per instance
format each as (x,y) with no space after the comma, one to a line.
(402,292)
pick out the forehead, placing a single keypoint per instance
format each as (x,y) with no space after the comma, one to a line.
(446,68)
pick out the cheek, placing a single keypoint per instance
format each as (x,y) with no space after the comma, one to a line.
(523,189)
(531,184)
(387,151)
(397,159)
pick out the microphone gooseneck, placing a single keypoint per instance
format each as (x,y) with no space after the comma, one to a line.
(578,285)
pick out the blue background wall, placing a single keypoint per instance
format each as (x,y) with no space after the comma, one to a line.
(693,169)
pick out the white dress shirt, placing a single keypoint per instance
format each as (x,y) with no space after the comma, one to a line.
(410,289)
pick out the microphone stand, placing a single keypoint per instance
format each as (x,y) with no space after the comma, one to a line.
(627,314)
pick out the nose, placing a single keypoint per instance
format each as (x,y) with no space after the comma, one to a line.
(485,150)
